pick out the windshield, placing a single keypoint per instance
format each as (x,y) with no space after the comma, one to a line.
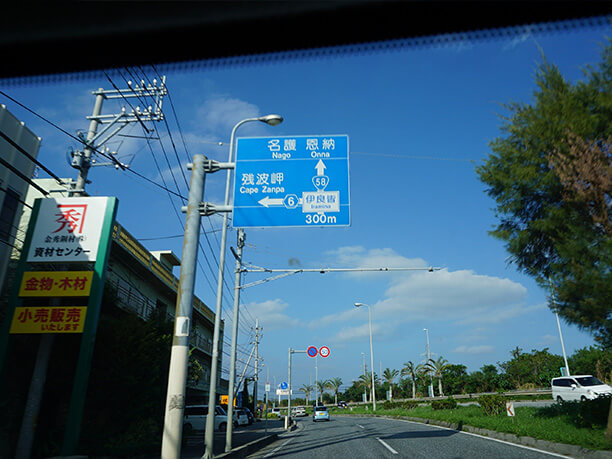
(323,152)
(589,381)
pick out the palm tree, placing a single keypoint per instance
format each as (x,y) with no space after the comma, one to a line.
(307,389)
(436,368)
(321,385)
(366,380)
(411,370)
(389,376)
(334,384)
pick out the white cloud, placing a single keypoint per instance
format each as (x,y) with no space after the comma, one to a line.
(484,349)
(549,339)
(362,332)
(219,114)
(462,296)
(272,313)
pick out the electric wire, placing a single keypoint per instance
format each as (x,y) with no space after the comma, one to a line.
(185,179)
(175,183)
(110,157)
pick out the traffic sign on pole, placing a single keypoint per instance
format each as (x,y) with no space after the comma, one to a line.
(312,351)
(292,181)
(324,351)
(283,385)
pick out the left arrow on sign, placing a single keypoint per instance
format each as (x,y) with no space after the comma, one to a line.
(267,202)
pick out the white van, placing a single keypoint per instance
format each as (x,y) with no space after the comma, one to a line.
(579,387)
(195,418)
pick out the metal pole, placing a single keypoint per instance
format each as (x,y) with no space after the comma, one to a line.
(430,388)
(212,394)
(372,360)
(256,365)
(365,378)
(567,370)
(317,378)
(288,423)
(232,377)
(552,293)
(179,357)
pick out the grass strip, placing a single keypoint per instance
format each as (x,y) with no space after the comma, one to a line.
(529,421)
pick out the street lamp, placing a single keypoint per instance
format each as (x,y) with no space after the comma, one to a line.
(272,120)
(357,305)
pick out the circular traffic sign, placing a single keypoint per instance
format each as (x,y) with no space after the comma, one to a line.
(312,351)
(324,351)
(284,385)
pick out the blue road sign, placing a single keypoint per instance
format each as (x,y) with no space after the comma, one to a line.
(312,351)
(284,385)
(292,181)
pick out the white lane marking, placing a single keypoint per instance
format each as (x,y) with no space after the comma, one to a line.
(488,438)
(278,447)
(386,446)
(359,425)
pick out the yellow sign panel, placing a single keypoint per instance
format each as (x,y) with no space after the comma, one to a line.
(225,399)
(43,319)
(56,283)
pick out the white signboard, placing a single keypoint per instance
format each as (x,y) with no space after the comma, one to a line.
(283,392)
(68,229)
(510,408)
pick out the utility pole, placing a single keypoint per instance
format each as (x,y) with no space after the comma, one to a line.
(179,356)
(256,363)
(82,161)
(93,142)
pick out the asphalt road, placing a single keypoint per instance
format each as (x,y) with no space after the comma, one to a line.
(363,437)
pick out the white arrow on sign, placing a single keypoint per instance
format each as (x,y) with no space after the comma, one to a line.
(267,202)
(320,167)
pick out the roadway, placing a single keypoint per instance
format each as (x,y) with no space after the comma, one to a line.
(365,437)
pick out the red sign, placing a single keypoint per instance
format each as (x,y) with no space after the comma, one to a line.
(324,351)
(311,351)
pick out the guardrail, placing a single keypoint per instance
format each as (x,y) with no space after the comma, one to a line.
(464,396)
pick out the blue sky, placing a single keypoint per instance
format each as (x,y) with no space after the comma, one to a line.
(418,120)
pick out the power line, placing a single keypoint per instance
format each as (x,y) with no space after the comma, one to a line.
(30,157)
(81,141)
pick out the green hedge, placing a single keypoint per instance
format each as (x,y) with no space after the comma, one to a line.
(447,404)
(492,404)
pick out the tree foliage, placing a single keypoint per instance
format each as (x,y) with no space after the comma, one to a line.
(549,176)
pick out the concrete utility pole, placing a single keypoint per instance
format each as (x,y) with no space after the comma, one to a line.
(179,357)
(94,141)
(241,237)
(81,160)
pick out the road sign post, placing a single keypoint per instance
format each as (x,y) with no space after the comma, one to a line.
(292,181)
